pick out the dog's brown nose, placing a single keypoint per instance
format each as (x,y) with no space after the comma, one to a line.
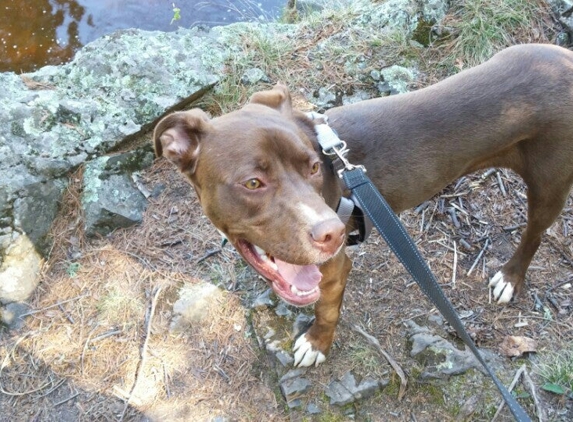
(328,235)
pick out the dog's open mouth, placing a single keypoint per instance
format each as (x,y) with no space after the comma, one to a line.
(296,284)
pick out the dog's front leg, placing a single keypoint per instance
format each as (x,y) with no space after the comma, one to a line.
(313,346)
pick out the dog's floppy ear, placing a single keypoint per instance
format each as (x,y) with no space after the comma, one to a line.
(277,98)
(177,137)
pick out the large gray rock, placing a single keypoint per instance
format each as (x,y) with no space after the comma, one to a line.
(59,117)
(110,197)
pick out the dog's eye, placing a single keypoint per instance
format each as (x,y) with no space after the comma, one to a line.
(315,168)
(253,184)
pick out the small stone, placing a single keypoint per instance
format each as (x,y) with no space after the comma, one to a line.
(563,39)
(301,324)
(295,404)
(270,334)
(366,388)
(284,358)
(253,76)
(264,300)
(11,315)
(294,387)
(338,394)
(436,319)
(313,409)
(194,305)
(384,89)
(348,390)
(282,310)
(20,270)
(324,99)
(362,390)
(293,373)
(274,347)
(398,78)
(348,381)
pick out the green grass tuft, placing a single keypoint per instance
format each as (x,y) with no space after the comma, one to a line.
(556,369)
(480,28)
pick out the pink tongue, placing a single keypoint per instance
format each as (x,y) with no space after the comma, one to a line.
(303,277)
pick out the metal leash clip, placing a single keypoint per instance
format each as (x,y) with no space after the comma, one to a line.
(331,144)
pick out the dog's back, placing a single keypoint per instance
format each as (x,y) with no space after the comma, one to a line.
(514,111)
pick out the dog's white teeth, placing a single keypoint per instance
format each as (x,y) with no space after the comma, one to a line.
(301,293)
(260,251)
(266,258)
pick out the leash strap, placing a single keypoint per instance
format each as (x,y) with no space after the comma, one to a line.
(393,232)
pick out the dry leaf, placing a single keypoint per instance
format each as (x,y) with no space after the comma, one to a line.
(514,346)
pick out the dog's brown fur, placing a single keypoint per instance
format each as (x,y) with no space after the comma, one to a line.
(256,175)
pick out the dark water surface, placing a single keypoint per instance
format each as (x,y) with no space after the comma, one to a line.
(34,33)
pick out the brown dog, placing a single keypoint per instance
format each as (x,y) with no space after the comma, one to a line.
(262,180)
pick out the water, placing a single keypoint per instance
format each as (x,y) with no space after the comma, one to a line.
(35,33)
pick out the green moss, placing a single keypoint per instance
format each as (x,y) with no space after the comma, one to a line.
(433,391)
(422,33)
(393,387)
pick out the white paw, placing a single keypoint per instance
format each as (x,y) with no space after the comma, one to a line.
(305,355)
(502,290)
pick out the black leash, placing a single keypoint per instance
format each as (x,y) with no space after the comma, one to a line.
(393,232)
(391,229)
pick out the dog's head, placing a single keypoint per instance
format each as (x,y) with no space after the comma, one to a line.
(260,181)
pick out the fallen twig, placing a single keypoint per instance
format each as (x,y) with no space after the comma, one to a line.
(66,313)
(479,256)
(143,353)
(510,388)
(432,216)
(561,283)
(374,342)
(105,335)
(500,183)
(84,349)
(73,396)
(488,173)
(54,305)
(455,221)
(208,255)
(530,387)
(455,265)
